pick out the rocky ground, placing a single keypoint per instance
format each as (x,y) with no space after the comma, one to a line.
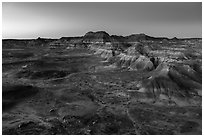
(86,91)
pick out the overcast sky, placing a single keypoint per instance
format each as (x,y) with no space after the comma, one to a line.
(55,20)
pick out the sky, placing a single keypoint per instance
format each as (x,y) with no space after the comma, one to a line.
(61,19)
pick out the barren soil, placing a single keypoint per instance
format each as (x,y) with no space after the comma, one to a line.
(73,91)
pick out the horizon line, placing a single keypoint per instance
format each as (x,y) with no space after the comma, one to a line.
(109,34)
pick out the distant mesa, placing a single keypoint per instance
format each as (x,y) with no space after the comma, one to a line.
(96,37)
(137,37)
(120,42)
(103,37)
(175,39)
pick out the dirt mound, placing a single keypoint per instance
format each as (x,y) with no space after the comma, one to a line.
(134,57)
(137,49)
(124,60)
(12,95)
(189,72)
(184,81)
(104,53)
(134,62)
(142,63)
(169,83)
